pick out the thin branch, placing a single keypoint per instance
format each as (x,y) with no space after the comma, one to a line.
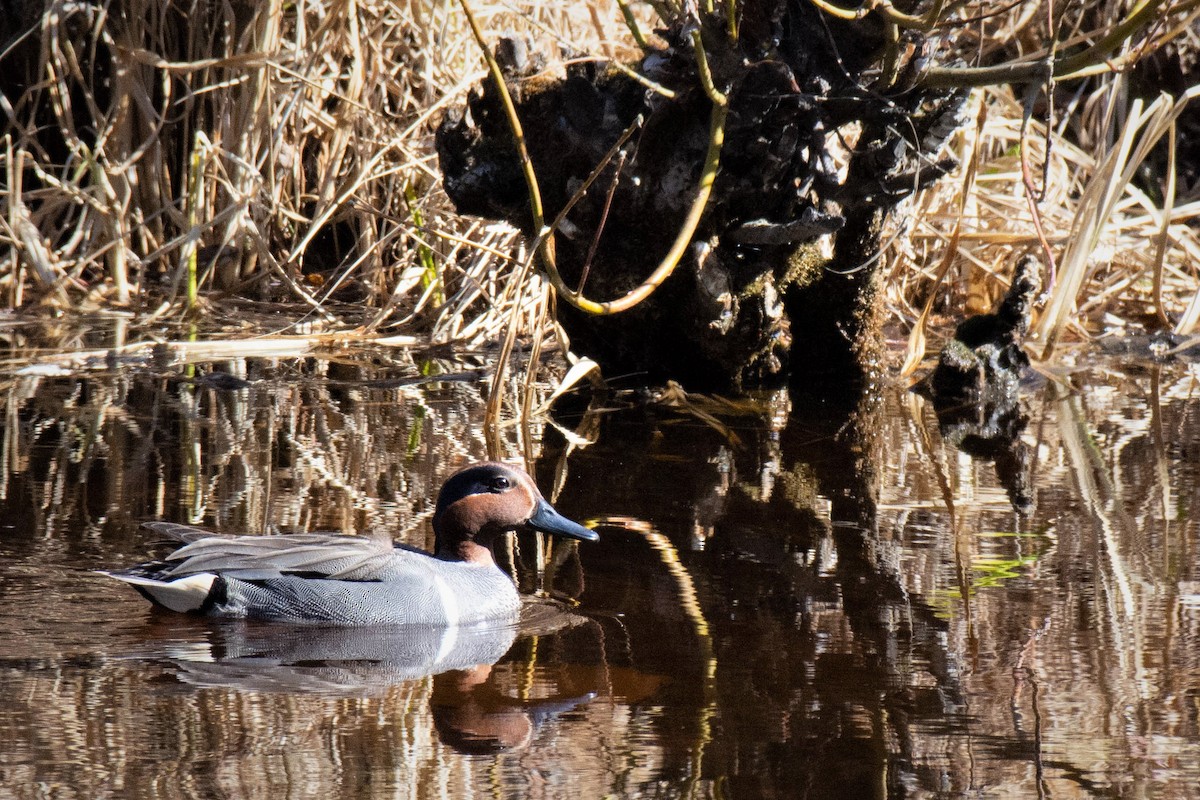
(1090,59)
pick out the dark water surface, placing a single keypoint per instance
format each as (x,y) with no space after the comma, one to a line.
(812,601)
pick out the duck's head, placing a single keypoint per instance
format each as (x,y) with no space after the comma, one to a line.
(481,501)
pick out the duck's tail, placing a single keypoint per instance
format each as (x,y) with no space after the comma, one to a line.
(188,593)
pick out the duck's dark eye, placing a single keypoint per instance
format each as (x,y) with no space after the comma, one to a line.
(499,483)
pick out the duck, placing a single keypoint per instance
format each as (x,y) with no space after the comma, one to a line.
(352,580)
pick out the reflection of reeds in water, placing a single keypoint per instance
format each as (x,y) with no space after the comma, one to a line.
(123,730)
(1065,627)
(242,448)
(1105,643)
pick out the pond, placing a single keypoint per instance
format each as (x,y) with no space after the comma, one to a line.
(789,598)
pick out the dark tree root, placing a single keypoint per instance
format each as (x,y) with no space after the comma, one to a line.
(781,276)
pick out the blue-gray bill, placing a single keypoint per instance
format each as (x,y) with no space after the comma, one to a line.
(547,520)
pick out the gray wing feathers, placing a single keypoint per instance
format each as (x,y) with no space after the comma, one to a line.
(348,558)
(181,533)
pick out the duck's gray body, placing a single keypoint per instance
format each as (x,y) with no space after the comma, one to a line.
(327,577)
(455,594)
(352,580)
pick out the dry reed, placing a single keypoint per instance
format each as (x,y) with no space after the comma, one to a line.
(284,152)
(277,152)
(1122,239)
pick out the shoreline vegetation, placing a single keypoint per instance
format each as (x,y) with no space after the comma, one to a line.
(276,162)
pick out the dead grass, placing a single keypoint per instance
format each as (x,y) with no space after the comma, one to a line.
(1102,227)
(266,149)
(285,152)
(1124,260)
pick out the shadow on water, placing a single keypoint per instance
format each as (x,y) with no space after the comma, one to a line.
(817,599)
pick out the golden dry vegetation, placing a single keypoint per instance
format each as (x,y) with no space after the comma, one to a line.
(275,161)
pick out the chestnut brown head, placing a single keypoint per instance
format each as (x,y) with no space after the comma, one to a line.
(483,500)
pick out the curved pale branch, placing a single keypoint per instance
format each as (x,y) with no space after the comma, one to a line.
(890,13)
(716,139)
(545,245)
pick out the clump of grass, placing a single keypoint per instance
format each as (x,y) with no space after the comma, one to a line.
(317,185)
(1123,248)
(274,151)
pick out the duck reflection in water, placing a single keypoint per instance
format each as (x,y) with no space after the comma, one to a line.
(472,707)
(474,715)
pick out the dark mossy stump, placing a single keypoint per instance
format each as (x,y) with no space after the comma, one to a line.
(780,278)
(976,386)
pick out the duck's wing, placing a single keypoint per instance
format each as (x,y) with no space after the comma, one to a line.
(322,555)
(173,531)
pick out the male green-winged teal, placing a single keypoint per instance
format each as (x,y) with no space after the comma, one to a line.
(352,580)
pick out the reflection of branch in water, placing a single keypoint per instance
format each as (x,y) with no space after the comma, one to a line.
(689,602)
(772,407)
(1022,675)
(1097,492)
(962,558)
(1161,463)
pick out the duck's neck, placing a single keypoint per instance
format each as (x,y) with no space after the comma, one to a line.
(468,551)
